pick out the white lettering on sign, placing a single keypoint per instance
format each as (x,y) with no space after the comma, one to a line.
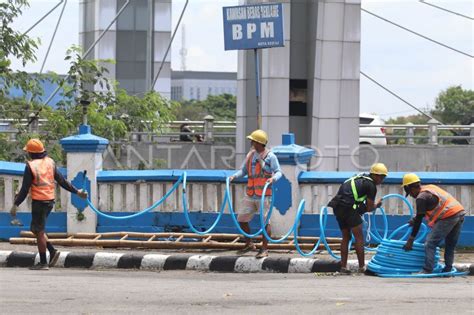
(236,32)
(251,28)
(270,11)
(253,12)
(236,13)
(267,30)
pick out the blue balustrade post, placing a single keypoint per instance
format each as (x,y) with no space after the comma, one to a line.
(293,159)
(84,153)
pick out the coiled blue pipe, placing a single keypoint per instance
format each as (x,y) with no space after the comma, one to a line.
(390,260)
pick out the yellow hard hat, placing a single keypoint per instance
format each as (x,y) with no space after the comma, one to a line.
(379,169)
(34,146)
(409,179)
(259,136)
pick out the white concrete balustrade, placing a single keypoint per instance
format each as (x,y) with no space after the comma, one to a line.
(10,185)
(207,196)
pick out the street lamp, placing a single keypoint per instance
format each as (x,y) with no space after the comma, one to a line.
(84,104)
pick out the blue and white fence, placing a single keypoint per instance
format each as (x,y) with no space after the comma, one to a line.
(131,191)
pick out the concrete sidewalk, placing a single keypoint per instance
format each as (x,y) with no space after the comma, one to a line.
(210,260)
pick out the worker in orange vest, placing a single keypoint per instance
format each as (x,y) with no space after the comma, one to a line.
(261,166)
(39,179)
(443,213)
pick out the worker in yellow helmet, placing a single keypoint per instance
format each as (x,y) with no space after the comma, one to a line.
(39,180)
(261,166)
(355,197)
(443,213)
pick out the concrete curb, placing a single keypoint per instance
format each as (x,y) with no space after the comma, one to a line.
(239,264)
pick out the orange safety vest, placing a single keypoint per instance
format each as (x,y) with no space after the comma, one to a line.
(447,206)
(256,181)
(43,185)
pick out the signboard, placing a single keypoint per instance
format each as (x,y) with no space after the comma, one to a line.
(253,26)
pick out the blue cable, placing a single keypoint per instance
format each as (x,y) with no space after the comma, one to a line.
(390,260)
(153,206)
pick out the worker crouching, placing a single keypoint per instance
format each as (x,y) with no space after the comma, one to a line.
(443,214)
(355,197)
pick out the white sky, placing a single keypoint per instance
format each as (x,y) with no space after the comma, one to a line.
(411,66)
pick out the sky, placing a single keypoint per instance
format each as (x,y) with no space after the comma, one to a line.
(412,67)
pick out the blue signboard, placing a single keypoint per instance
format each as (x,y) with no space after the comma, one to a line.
(253,26)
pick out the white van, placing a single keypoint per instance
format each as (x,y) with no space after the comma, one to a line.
(365,133)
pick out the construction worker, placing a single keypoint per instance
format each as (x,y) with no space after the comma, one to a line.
(443,213)
(355,197)
(262,166)
(39,180)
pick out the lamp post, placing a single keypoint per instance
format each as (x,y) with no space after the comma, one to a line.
(85,104)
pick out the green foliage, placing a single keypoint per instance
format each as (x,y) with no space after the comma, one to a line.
(14,44)
(83,76)
(455,106)
(222,107)
(414,119)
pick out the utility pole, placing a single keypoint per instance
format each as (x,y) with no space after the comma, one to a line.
(150,46)
(183,51)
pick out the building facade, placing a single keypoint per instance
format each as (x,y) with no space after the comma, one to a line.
(197,85)
(137,41)
(309,87)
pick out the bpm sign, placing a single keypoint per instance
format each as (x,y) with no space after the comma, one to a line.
(253,26)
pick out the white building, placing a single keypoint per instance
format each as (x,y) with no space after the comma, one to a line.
(197,85)
(138,55)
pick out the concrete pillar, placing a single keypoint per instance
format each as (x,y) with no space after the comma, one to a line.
(410,132)
(335,87)
(433,132)
(293,159)
(274,89)
(471,141)
(208,129)
(84,152)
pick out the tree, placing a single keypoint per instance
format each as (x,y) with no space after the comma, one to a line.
(455,106)
(222,107)
(112,113)
(14,44)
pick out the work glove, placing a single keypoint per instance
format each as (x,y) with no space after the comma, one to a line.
(13,210)
(361,209)
(409,244)
(378,204)
(82,193)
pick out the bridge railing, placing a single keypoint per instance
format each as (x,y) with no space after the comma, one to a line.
(131,191)
(11,177)
(208,129)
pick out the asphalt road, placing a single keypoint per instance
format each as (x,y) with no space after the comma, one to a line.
(77,291)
